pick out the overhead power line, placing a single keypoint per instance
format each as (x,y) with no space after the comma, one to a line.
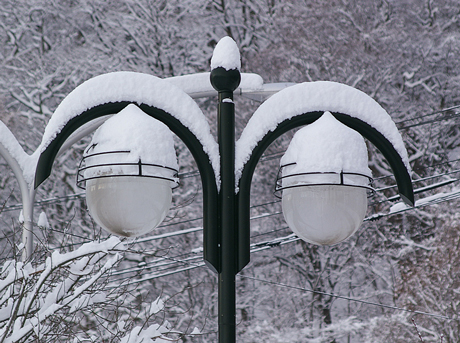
(428,201)
(429,114)
(189,266)
(260,246)
(279,284)
(163,264)
(451,116)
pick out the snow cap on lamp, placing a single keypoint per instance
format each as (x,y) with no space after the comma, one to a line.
(145,137)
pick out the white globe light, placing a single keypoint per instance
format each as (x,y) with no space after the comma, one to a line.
(324,214)
(128,206)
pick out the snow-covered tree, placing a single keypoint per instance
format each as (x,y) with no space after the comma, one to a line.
(69,297)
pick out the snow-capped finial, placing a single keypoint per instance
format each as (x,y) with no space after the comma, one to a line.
(225,66)
(226,55)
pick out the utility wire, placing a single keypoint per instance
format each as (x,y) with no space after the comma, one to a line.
(46,201)
(266,215)
(429,201)
(429,114)
(421,179)
(293,238)
(255,247)
(344,297)
(160,263)
(456,115)
(201,264)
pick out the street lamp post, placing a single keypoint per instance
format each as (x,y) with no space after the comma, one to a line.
(225,82)
(226,174)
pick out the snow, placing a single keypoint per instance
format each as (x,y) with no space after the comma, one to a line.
(154,333)
(157,306)
(409,246)
(326,145)
(112,243)
(309,97)
(138,88)
(12,147)
(429,200)
(43,221)
(196,331)
(398,207)
(226,55)
(250,82)
(199,84)
(35,304)
(147,139)
(121,325)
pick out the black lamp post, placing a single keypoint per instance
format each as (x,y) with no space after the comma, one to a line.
(225,206)
(225,82)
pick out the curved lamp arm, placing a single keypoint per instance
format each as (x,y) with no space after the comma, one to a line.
(80,107)
(276,116)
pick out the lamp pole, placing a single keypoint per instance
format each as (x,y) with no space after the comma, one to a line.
(226,207)
(225,82)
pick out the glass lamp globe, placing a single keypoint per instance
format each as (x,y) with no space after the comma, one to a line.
(324,214)
(128,206)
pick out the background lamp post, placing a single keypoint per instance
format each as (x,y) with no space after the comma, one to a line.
(226,167)
(18,161)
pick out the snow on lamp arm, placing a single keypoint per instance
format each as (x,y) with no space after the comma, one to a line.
(303,104)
